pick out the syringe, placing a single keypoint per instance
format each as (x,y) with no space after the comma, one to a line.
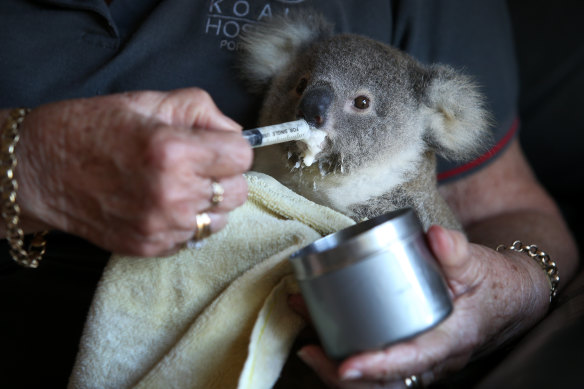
(278,133)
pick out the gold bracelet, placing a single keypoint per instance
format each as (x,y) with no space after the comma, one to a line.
(544,261)
(8,187)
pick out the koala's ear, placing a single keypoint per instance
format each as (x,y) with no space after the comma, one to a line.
(266,48)
(457,123)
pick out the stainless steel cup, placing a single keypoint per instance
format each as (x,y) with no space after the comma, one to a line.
(372,284)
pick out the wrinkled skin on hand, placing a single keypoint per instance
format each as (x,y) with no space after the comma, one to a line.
(129,172)
(484,310)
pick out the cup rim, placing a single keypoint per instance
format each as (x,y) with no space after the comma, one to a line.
(354,243)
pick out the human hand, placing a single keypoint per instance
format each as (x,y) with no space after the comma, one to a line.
(130,172)
(495,297)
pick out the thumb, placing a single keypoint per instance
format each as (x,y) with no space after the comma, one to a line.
(454,254)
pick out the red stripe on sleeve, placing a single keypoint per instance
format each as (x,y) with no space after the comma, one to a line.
(483,158)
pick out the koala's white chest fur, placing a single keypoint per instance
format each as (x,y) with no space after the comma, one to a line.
(341,192)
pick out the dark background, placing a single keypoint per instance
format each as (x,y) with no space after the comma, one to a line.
(549,38)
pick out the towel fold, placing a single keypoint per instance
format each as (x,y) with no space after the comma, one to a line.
(211,317)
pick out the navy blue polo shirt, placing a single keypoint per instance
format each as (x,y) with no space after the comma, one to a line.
(61,49)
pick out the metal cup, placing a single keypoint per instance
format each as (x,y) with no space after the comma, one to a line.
(372,284)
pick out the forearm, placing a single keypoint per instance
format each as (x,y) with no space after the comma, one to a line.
(528,285)
(504,203)
(547,231)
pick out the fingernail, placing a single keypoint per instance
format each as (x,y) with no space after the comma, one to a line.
(351,374)
(440,239)
(305,356)
(448,242)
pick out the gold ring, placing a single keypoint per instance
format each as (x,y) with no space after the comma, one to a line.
(203,226)
(217,193)
(413,382)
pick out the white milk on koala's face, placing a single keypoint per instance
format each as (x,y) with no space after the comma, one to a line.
(313,145)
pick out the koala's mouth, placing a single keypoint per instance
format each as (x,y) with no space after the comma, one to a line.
(314,153)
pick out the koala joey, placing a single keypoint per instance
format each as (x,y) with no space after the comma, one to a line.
(385,116)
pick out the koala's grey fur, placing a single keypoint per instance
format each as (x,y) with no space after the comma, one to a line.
(375,159)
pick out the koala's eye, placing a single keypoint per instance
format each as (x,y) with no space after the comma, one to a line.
(302,84)
(361,102)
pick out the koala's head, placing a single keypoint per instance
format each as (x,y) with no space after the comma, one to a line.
(377,105)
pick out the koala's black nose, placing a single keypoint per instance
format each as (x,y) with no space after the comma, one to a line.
(315,104)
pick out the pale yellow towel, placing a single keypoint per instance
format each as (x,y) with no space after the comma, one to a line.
(213,317)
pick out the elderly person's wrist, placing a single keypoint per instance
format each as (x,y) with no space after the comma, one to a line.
(25,254)
(518,297)
(528,290)
(534,289)
(543,260)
